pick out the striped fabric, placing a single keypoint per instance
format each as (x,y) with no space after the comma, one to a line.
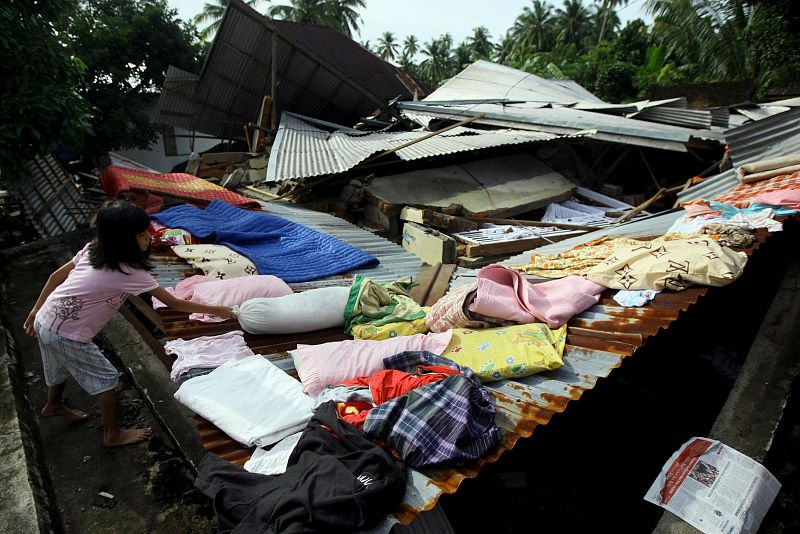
(741,196)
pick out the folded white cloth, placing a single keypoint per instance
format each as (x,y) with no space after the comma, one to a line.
(275,460)
(251,400)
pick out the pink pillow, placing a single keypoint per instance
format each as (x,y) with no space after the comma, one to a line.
(235,291)
(333,363)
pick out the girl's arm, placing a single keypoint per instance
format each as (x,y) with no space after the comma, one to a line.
(191,307)
(55,280)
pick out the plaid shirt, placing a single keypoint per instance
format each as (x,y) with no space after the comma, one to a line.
(448,422)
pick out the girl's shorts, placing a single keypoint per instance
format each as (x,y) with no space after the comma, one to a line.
(84,361)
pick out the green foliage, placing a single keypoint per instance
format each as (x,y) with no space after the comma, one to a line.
(39,103)
(342,15)
(127,46)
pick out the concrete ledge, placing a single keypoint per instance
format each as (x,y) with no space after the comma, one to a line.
(751,415)
(25,489)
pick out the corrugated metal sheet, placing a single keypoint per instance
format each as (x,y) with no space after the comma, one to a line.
(598,341)
(320,72)
(302,150)
(690,118)
(486,80)
(771,137)
(564,120)
(51,198)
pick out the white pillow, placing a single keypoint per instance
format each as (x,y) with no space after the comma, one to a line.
(310,310)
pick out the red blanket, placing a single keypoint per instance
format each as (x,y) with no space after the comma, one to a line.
(118,179)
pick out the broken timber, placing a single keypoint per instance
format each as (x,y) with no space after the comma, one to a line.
(430,245)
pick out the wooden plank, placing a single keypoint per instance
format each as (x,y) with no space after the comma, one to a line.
(148,337)
(517,245)
(515,222)
(440,284)
(425,278)
(439,220)
(433,281)
(147,311)
(431,246)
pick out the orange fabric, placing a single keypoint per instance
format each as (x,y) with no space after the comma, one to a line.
(117,179)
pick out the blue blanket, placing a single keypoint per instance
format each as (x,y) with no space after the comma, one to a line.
(290,251)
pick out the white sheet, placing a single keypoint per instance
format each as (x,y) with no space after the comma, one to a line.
(251,400)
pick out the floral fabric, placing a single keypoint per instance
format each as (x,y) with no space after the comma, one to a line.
(508,352)
(578,260)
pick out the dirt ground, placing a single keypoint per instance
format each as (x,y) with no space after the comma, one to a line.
(152,486)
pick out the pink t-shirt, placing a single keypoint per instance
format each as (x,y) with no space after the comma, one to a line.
(82,305)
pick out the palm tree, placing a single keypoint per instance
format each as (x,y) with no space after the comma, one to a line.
(706,34)
(462,56)
(340,15)
(410,46)
(214,12)
(532,28)
(605,17)
(607,8)
(437,65)
(480,43)
(573,21)
(387,46)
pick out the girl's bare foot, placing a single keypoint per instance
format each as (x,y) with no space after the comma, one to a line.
(127,437)
(63,411)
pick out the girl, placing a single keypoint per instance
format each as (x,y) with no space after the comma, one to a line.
(81,297)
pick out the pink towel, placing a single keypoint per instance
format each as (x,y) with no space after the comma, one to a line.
(701,209)
(505,294)
(789,198)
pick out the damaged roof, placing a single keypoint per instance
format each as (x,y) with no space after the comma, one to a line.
(304,147)
(318,72)
(511,98)
(773,136)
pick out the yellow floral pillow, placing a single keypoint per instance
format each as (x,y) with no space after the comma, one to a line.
(390,330)
(508,352)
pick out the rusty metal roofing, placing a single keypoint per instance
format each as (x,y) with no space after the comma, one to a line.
(598,340)
(51,197)
(319,72)
(302,149)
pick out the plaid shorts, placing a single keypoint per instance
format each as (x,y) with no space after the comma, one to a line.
(84,361)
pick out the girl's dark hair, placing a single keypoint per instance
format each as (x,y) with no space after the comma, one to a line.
(118,223)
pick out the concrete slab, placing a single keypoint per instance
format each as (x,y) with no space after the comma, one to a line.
(495,187)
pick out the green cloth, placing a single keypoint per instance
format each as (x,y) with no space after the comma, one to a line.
(380,304)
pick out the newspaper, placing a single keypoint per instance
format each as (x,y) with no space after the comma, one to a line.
(714,488)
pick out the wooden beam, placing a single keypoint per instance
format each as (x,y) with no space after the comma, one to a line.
(641,207)
(433,282)
(439,220)
(431,246)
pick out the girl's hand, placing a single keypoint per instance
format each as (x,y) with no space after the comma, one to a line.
(28,324)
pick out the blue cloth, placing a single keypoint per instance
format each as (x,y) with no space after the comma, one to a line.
(290,251)
(729,211)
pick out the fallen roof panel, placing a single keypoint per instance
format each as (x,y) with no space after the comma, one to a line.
(319,72)
(487,80)
(302,150)
(562,120)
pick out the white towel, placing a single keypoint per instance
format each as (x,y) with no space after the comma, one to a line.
(251,400)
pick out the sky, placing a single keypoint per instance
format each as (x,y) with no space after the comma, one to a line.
(428,19)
